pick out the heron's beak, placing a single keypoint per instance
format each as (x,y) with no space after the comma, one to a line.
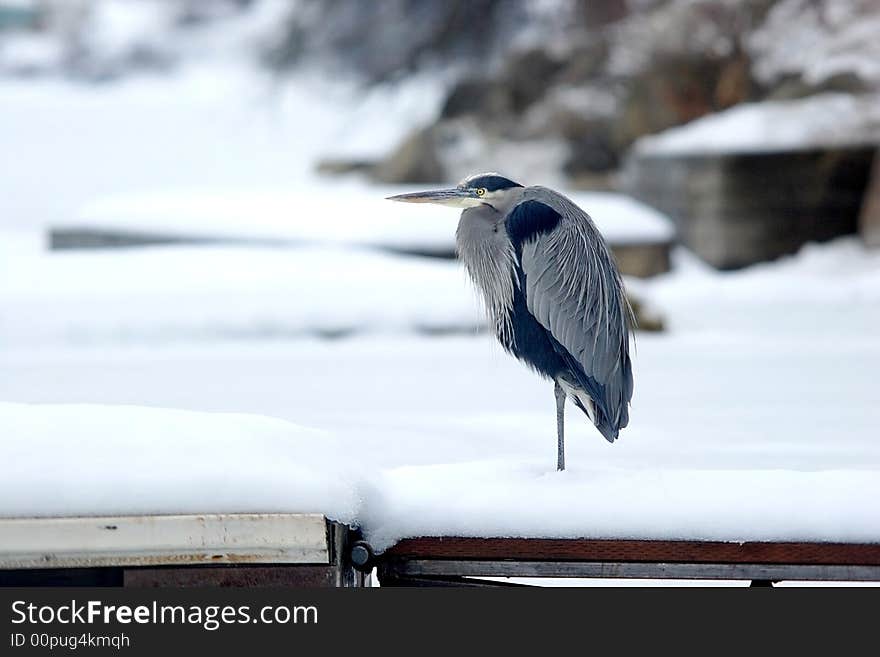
(457,198)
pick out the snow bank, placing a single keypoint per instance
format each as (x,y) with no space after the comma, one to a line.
(822,120)
(828,290)
(350,214)
(71,460)
(726,505)
(91,460)
(337,214)
(173,293)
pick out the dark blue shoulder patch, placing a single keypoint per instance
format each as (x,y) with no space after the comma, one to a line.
(528,220)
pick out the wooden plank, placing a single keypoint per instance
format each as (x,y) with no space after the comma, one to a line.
(540,549)
(30,577)
(426,568)
(308,576)
(90,542)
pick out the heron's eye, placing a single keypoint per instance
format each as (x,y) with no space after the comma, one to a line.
(481,191)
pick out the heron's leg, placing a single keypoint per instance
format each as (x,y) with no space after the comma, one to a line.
(560,426)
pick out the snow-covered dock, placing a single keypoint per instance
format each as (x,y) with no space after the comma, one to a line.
(145,467)
(75,460)
(308,550)
(754,419)
(351,216)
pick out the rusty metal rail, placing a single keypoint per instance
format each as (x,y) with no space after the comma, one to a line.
(455,560)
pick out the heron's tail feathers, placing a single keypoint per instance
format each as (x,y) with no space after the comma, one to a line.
(608,428)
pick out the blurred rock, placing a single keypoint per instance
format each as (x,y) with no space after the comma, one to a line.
(642,259)
(648,318)
(567,90)
(737,209)
(734,84)
(793,87)
(597,14)
(586,61)
(582,79)
(527,76)
(677,89)
(416,160)
(339,167)
(478,96)
(869,216)
(382,40)
(497,101)
(594,152)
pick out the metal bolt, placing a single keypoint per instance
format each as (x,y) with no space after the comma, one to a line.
(361,554)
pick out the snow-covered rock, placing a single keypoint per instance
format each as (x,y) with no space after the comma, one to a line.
(825,120)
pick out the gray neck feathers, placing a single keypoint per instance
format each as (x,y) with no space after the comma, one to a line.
(487,254)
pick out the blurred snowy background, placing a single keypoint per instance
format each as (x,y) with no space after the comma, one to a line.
(209,175)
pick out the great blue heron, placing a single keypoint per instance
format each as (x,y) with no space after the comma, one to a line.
(552,290)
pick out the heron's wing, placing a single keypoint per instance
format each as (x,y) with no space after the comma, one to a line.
(573,288)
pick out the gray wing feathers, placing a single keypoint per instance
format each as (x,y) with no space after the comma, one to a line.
(574,290)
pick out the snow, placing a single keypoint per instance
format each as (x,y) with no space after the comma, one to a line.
(793,296)
(349,214)
(738,505)
(28,53)
(199,379)
(213,139)
(754,418)
(205,127)
(352,214)
(331,284)
(195,293)
(830,119)
(818,40)
(624,220)
(122,459)
(118,28)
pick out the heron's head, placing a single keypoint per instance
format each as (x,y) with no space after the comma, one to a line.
(489,189)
